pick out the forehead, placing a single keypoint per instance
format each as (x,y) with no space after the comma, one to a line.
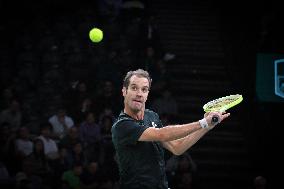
(140,81)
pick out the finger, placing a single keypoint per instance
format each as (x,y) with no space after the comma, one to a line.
(224,116)
(206,114)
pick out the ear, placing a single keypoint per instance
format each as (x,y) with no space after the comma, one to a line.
(123,91)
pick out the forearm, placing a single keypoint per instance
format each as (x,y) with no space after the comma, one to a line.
(173,132)
(179,146)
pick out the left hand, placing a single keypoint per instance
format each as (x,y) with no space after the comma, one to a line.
(220,115)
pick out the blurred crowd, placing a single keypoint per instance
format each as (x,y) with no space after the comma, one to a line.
(60,94)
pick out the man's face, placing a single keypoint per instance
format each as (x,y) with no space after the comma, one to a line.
(136,94)
(78,170)
(61,113)
(90,118)
(73,132)
(45,132)
(24,133)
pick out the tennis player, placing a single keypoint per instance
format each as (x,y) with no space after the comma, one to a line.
(139,136)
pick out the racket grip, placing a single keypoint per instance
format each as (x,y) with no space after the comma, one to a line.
(215,119)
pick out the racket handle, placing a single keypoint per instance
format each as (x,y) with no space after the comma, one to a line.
(215,119)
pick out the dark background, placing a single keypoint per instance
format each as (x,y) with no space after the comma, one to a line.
(242,24)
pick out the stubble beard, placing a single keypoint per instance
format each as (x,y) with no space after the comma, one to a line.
(136,109)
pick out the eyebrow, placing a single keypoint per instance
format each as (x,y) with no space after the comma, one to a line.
(133,84)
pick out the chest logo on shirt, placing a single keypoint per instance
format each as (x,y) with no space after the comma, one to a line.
(154,124)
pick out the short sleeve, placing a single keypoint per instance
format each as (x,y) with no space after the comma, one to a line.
(159,122)
(153,119)
(128,132)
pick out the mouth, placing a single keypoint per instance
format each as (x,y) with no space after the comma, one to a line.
(137,101)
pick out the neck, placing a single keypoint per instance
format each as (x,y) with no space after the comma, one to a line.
(135,115)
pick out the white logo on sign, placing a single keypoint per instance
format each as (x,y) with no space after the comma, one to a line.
(279,77)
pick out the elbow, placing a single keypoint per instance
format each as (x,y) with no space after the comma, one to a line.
(176,148)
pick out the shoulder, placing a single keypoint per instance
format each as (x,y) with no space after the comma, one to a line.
(40,137)
(123,117)
(122,120)
(52,118)
(151,113)
(68,118)
(125,125)
(152,118)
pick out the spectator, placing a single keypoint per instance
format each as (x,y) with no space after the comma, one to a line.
(7,97)
(76,154)
(50,146)
(60,123)
(108,97)
(107,149)
(71,177)
(59,166)
(162,78)
(166,104)
(180,170)
(132,9)
(36,163)
(90,135)
(260,182)
(109,9)
(5,135)
(36,169)
(23,144)
(91,176)
(22,181)
(109,71)
(149,60)
(8,151)
(87,105)
(71,138)
(107,111)
(106,124)
(12,115)
(150,36)
(6,181)
(75,96)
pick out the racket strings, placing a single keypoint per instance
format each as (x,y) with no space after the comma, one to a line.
(222,103)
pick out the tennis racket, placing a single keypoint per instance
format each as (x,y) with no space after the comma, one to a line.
(222,104)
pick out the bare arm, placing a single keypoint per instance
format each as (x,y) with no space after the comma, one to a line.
(179,146)
(179,138)
(169,133)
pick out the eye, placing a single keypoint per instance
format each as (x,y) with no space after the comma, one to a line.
(145,90)
(134,88)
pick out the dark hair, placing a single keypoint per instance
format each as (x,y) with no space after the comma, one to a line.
(138,73)
(45,125)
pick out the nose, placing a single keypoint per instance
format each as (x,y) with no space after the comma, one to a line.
(139,92)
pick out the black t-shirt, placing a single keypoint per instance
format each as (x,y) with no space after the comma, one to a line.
(141,164)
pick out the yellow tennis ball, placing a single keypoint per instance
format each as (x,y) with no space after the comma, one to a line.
(96,35)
